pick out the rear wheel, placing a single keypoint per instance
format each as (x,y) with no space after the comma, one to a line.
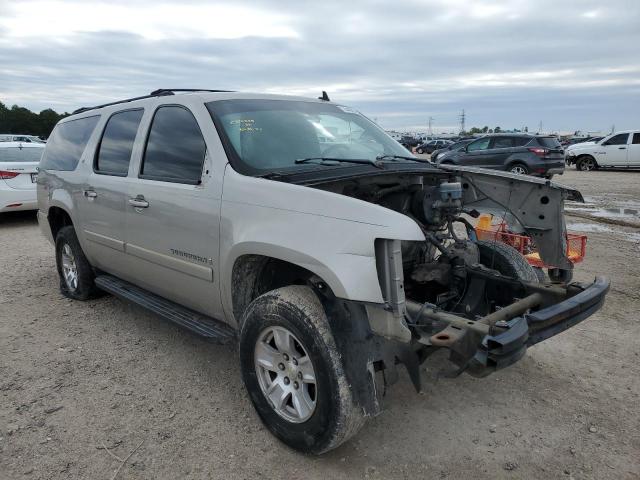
(76,274)
(519,168)
(293,371)
(419,150)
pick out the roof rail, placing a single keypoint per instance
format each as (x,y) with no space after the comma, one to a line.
(161,92)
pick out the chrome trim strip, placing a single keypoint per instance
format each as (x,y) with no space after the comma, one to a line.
(198,271)
(104,240)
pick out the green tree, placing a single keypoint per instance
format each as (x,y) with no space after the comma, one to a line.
(4,118)
(497,130)
(22,120)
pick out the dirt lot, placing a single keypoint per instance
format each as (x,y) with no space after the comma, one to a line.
(76,377)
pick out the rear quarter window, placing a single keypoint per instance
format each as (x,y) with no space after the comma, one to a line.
(549,142)
(67,143)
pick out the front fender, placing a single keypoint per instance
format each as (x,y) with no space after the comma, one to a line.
(326,233)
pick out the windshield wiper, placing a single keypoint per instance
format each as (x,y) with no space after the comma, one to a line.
(363,161)
(403,157)
(275,176)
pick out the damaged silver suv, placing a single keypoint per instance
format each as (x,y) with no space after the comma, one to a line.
(298,229)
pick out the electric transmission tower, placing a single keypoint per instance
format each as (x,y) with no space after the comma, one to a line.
(430,126)
(462,119)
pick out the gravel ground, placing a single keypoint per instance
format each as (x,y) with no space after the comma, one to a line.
(84,383)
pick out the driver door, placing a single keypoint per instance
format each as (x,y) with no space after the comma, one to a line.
(477,153)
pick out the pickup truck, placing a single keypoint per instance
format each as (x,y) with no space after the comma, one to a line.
(618,150)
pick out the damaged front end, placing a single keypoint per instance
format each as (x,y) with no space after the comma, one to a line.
(454,292)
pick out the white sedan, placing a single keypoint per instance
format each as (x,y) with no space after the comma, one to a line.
(18,171)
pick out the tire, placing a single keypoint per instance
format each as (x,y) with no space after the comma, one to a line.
(586,164)
(76,274)
(419,150)
(331,416)
(507,260)
(542,277)
(519,168)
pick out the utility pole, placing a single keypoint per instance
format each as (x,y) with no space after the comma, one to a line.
(430,124)
(540,127)
(462,119)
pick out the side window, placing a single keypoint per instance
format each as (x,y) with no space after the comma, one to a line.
(636,138)
(521,141)
(114,151)
(67,143)
(481,144)
(175,147)
(502,142)
(620,139)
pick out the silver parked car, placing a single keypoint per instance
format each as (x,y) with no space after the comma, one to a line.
(300,230)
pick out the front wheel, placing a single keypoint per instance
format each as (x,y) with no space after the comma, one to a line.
(586,164)
(293,371)
(420,151)
(506,260)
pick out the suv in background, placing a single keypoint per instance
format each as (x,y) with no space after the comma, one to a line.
(536,155)
(433,145)
(300,230)
(409,141)
(451,147)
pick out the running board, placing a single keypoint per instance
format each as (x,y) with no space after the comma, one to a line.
(202,325)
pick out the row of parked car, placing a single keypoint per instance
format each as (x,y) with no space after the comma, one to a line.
(541,155)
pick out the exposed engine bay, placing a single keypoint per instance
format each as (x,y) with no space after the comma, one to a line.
(477,298)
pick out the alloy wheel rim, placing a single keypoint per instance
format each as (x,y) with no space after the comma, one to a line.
(69,268)
(519,170)
(587,164)
(286,374)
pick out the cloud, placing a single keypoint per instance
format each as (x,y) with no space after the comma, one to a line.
(572,65)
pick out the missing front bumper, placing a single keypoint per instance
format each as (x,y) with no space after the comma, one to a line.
(504,348)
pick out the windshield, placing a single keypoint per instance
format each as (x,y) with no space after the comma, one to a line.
(272,134)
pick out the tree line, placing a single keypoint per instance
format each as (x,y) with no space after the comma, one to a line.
(22,120)
(486,129)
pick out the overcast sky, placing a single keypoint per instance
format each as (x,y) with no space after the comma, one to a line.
(571,64)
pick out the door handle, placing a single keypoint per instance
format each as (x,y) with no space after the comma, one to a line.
(90,194)
(138,202)
(622,148)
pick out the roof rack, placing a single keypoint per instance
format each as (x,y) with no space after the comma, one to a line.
(161,92)
(169,91)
